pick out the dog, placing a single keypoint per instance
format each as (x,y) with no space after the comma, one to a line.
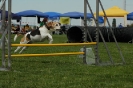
(38,35)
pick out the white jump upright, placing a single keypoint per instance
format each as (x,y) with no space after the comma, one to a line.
(99,34)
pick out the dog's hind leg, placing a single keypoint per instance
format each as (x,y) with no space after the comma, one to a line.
(22,49)
(19,47)
(21,42)
(28,42)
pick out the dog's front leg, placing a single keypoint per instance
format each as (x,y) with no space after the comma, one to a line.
(50,39)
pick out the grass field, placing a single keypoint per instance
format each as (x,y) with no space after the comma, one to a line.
(69,71)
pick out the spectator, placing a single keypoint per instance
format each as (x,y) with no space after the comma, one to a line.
(13,27)
(120,25)
(27,27)
(17,29)
(43,22)
(63,28)
(34,27)
(23,30)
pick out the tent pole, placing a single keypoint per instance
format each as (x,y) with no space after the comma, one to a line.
(80,21)
(36,22)
(125,20)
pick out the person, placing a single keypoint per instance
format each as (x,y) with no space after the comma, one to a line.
(18,28)
(43,22)
(120,25)
(34,27)
(13,27)
(26,28)
(23,31)
(15,30)
(64,29)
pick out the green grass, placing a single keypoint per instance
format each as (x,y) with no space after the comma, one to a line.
(69,71)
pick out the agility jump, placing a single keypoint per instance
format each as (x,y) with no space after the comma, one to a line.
(55,54)
(51,54)
(63,44)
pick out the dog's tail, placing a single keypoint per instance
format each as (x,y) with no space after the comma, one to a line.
(16,36)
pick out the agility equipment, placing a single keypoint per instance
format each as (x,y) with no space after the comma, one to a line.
(84,36)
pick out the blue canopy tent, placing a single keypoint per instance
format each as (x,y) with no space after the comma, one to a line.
(130,16)
(88,15)
(75,15)
(79,15)
(53,15)
(14,16)
(31,13)
(100,20)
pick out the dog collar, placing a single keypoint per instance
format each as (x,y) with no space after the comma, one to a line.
(47,27)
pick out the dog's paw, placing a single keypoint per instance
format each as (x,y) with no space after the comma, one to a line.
(15,51)
(20,52)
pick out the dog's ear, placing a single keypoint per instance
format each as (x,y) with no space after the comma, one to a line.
(59,23)
(49,24)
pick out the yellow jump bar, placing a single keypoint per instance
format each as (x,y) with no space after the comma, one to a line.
(49,54)
(62,44)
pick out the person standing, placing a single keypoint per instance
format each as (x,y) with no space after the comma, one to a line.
(43,22)
(120,25)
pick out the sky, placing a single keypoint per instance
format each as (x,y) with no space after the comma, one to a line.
(63,6)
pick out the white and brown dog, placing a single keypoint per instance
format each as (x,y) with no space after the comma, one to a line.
(38,35)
